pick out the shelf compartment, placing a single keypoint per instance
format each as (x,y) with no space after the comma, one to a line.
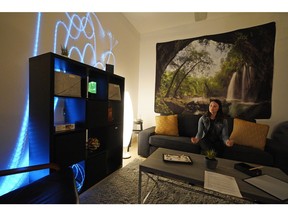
(97,113)
(95,169)
(69,147)
(69,110)
(97,79)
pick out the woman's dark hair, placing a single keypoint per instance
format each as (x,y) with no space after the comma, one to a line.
(219,115)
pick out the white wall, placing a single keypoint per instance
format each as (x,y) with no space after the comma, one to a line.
(127,51)
(216,23)
(17,44)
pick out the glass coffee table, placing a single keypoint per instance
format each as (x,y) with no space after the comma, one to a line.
(194,174)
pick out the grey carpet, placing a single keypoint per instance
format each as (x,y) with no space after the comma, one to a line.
(121,187)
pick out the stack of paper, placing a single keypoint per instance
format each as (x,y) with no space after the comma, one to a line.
(221,183)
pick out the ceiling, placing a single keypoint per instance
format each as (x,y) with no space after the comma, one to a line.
(146,22)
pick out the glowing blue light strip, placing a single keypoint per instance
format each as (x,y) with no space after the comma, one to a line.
(79,173)
(37,35)
(78,25)
(79,30)
(20,157)
(55,102)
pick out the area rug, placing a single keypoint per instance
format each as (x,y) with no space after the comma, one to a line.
(121,187)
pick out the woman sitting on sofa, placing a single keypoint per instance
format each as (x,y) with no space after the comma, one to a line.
(213,129)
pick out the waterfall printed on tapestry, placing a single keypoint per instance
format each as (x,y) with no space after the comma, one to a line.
(235,67)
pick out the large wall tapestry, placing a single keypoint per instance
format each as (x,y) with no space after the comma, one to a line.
(235,67)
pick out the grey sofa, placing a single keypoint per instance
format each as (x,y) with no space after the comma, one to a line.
(148,142)
(279,148)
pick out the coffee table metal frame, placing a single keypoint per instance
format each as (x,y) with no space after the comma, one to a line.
(194,174)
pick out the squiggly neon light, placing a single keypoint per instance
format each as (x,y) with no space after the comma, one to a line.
(79,173)
(78,28)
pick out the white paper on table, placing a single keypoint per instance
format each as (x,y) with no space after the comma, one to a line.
(221,183)
(271,185)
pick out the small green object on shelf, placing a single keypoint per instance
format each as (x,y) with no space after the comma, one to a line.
(92,87)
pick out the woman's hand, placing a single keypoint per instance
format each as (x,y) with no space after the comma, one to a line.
(229,143)
(195,140)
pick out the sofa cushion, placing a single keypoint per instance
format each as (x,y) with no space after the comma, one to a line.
(248,154)
(188,124)
(249,133)
(176,143)
(167,125)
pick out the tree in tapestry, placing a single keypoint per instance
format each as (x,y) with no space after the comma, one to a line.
(235,67)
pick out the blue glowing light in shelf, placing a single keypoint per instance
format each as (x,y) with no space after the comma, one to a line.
(79,173)
(79,30)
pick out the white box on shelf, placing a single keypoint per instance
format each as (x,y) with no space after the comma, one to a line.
(64,127)
(67,84)
(114,92)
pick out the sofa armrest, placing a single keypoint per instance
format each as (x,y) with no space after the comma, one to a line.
(278,146)
(143,141)
(269,146)
(279,151)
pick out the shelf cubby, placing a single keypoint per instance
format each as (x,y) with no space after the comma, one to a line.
(69,104)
